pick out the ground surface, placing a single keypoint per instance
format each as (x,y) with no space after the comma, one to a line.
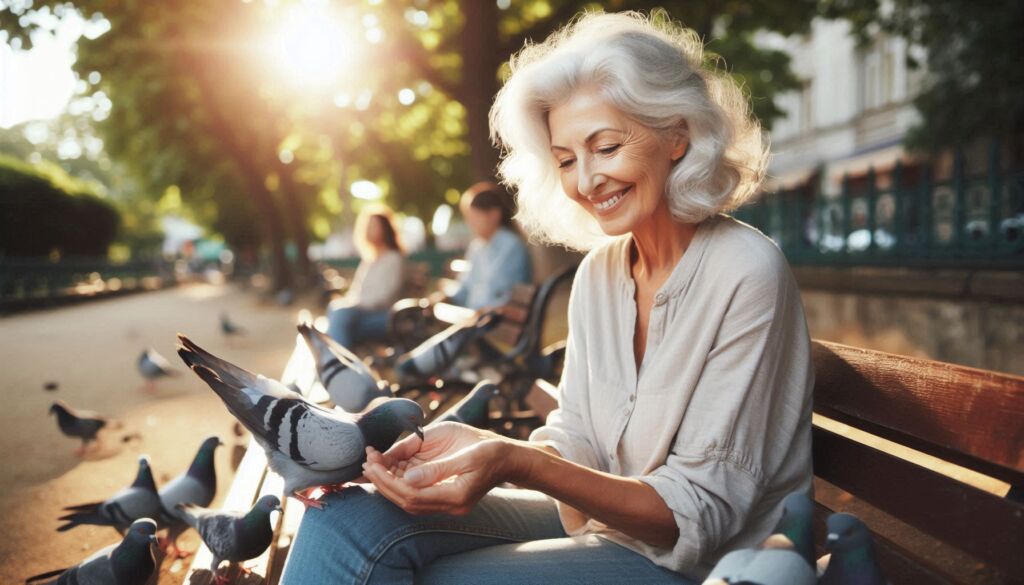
(90,351)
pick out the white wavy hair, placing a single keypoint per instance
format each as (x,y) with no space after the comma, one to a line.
(655,72)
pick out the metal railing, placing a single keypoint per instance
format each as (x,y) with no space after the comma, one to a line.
(28,281)
(964,220)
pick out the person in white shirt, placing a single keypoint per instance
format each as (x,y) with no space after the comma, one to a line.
(361,315)
(685,403)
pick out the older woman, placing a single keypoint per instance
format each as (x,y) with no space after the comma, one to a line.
(685,409)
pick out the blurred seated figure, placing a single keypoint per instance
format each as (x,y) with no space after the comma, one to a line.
(497,257)
(361,315)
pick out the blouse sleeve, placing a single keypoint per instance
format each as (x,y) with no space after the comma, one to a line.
(565,427)
(750,399)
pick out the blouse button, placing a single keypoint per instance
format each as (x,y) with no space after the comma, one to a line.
(659,299)
(632,397)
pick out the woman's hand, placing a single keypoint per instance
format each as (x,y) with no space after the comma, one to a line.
(448,472)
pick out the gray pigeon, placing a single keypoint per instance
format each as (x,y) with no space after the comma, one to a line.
(779,558)
(852,549)
(153,366)
(474,409)
(198,485)
(129,562)
(762,567)
(233,536)
(349,382)
(78,423)
(227,327)
(793,530)
(139,500)
(437,354)
(307,445)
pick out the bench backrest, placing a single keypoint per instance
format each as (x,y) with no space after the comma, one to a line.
(965,416)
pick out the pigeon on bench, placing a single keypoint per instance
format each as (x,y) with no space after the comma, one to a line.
(307,445)
(153,366)
(349,382)
(437,354)
(851,559)
(129,562)
(784,558)
(139,500)
(474,409)
(197,485)
(233,536)
(81,424)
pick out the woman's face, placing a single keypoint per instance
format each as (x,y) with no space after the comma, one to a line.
(375,231)
(482,222)
(613,166)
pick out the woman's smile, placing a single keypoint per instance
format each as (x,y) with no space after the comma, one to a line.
(609,204)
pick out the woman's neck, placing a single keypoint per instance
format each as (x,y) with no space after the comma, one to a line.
(658,244)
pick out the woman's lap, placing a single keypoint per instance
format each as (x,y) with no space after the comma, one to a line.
(511,536)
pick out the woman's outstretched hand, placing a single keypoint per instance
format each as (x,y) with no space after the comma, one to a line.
(447,472)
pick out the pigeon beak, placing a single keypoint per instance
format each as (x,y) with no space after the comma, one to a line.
(831,540)
(419,432)
(153,539)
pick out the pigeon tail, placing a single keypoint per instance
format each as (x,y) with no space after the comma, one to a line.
(46,575)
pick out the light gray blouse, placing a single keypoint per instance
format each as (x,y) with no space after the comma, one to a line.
(718,418)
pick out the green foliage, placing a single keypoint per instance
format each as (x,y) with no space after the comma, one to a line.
(43,210)
(970,50)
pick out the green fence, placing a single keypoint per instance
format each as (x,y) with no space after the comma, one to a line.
(29,281)
(973,220)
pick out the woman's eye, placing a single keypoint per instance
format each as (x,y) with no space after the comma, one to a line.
(609,149)
(564,164)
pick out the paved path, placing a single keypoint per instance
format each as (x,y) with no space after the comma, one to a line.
(90,350)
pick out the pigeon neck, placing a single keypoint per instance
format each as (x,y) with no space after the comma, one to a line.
(379,429)
(132,559)
(145,479)
(202,467)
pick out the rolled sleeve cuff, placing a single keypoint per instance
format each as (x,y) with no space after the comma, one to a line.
(569,447)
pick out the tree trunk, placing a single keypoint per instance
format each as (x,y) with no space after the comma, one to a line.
(481,58)
(295,206)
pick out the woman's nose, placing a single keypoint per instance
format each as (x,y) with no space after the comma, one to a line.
(589,179)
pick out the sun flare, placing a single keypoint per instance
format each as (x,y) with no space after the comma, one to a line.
(314,47)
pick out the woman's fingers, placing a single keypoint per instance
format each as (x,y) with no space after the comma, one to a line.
(402,450)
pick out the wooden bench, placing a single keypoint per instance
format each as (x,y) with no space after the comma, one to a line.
(923,452)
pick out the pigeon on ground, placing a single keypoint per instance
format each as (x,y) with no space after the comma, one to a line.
(852,553)
(129,562)
(198,485)
(227,327)
(474,409)
(51,386)
(154,366)
(349,382)
(437,354)
(81,424)
(233,536)
(787,556)
(139,500)
(307,445)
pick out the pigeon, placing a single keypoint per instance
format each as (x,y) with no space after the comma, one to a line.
(51,386)
(852,553)
(793,530)
(139,500)
(233,536)
(779,558)
(198,485)
(82,424)
(153,366)
(227,327)
(349,382)
(309,446)
(474,409)
(435,355)
(129,562)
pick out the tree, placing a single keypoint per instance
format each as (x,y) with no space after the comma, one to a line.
(974,84)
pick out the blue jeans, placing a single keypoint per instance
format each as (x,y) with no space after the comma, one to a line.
(350,326)
(511,537)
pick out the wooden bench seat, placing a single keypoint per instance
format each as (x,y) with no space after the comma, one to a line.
(923,452)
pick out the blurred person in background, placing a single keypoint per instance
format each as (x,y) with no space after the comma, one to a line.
(497,257)
(361,315)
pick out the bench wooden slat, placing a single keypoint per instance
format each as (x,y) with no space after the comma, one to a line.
(967,416)
(522,294)
(542,398)
(983,525)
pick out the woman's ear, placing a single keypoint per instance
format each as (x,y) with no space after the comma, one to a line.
(680,142)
